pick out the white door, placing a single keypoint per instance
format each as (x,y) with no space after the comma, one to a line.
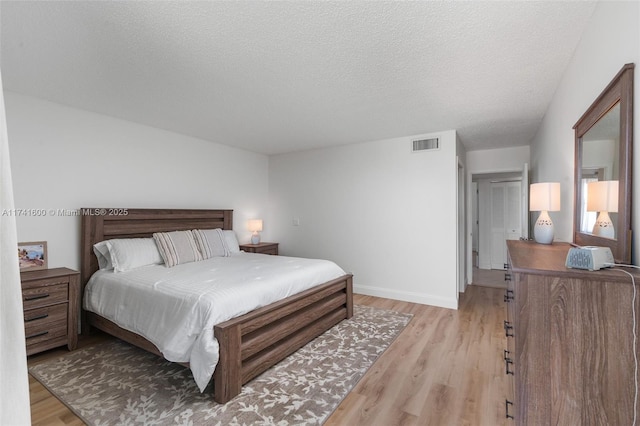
(475,221)
(505,219)
(513,209)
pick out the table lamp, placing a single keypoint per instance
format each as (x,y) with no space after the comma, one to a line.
(255,226)
(544,197)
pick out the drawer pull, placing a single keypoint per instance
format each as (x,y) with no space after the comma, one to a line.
(36,297)
(36,318)
(507,327)
(506,354)
(42,333)
(508,296)
(508,361)
(507,403)
(507,277)
(505,266)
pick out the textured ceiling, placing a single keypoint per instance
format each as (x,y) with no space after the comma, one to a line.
(275,77)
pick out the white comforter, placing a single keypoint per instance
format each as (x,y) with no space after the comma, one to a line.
(176,308)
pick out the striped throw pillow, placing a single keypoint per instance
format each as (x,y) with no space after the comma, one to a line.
(211,242)
(177,247)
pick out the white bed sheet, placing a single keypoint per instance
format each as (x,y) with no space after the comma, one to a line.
(176,308)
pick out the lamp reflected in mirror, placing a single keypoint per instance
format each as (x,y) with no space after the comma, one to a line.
(602,198)
(600,163)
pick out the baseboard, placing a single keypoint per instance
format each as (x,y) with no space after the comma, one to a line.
(406,296)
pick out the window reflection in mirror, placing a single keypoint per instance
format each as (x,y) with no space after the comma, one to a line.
(600,162)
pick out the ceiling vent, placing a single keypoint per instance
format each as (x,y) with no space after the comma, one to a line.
(426,144)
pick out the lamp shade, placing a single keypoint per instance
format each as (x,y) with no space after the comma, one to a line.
(602,196)
(255,225)
(544,196)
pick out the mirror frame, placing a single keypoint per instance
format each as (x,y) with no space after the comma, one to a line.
(619,90)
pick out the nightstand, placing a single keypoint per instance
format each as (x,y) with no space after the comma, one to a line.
(262,248)
(51,303)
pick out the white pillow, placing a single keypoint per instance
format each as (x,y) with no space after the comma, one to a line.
(211,242)
(232,241)
(177,247)
(101,251)
(130,253)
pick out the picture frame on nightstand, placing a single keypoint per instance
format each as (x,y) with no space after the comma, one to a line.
(32,255)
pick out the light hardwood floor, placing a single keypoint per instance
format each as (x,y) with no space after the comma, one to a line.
(445,368)
(489,278)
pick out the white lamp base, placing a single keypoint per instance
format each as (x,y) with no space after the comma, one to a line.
(603,226)
(255,238)
(543,229)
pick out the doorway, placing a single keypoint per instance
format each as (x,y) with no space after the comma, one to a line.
(500,213)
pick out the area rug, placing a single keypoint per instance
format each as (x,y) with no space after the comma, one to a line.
(115,383)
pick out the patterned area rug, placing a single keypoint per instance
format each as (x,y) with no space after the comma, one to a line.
(115,383)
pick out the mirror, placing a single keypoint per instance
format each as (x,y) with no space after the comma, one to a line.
(600,163)
(604,139)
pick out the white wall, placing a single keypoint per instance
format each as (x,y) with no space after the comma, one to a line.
(380,211)
(611,39)
(497,160)
(64,158)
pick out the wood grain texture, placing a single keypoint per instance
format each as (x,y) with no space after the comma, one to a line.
(46,409)
(261,338)
(262,248)
(619,90)
(445,368)
(574,354)
(99,224)
(51,308)
(273,338)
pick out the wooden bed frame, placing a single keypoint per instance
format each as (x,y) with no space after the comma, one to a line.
(249,344)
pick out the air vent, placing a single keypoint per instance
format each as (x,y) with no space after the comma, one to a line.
(426,144)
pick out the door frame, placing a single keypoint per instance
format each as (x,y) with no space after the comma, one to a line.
(463,271)
(469,179)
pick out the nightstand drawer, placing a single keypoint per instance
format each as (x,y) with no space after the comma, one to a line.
(272,251)
(51,304)
(261,248)
(45,324)
(46,295)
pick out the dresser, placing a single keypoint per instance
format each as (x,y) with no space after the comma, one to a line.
(569,352)
(51,301)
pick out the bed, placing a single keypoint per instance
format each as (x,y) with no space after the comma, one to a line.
(248,344)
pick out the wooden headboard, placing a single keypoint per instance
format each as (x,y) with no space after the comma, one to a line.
(99,224)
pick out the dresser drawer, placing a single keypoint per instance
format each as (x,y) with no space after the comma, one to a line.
(44,295)
(45,323)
